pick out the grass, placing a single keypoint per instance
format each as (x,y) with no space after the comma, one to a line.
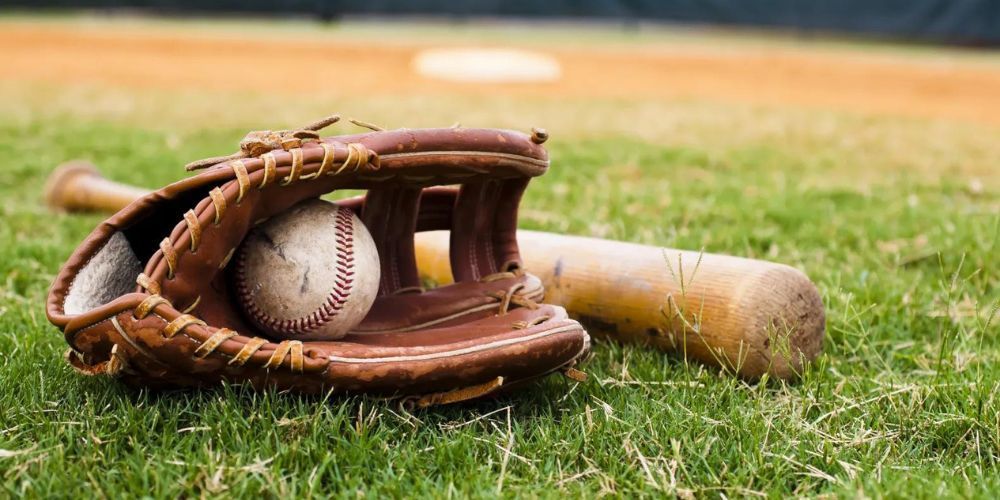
(897,221)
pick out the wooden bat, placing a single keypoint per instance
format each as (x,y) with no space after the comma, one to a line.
(749,316)
(77,186)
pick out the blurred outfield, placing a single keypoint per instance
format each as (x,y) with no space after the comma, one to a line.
(875,168)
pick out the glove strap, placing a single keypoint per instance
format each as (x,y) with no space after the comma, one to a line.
(455,396)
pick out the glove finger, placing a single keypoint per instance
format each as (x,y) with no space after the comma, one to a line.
(390,214)
(484,229)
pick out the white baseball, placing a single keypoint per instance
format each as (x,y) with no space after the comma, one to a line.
(311,272)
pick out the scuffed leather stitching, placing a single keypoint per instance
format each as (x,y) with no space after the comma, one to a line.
(221,353)
(457,352)
(511,156)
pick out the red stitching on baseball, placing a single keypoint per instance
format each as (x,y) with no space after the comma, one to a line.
(344,227)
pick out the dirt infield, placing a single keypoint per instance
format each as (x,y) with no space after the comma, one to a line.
(852,80)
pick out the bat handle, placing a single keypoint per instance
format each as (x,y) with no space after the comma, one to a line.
(77,186)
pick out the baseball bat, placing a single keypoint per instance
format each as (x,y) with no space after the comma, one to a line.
(749,316)
(77,186)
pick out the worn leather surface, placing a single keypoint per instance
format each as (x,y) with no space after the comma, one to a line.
(485,326)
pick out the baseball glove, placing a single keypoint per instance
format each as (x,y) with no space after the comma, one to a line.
(148,296)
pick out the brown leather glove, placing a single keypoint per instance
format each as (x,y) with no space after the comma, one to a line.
(181,327)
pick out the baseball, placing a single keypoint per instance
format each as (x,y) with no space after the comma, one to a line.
(310,273)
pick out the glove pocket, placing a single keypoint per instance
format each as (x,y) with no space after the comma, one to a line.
(512,348)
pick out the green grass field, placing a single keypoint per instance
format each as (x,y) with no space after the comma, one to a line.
(896,219)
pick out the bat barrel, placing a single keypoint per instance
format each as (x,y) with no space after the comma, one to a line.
(77,186)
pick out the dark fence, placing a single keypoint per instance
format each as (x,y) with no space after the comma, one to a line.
(948,21)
